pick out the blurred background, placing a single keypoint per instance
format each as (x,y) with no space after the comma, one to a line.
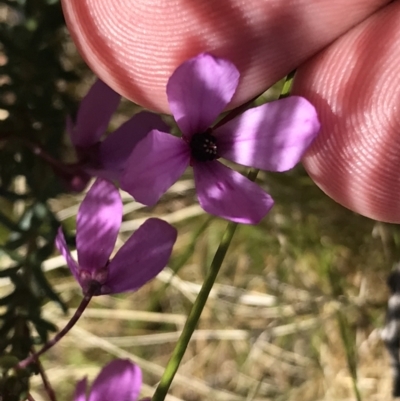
(300,302)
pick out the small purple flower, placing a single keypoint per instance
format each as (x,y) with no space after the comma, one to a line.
(120,380)
(271,137)
(139,260)
(107,158)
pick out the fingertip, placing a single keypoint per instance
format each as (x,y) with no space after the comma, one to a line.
(135,48)
(356,157)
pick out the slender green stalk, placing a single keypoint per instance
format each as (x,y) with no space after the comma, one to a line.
(194,315)
(197,308)
(344,328)
(287,85)
(351,357)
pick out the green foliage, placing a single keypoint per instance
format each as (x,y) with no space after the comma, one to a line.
(33,108)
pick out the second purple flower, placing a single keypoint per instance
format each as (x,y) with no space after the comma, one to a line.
(141,258)
(106,158)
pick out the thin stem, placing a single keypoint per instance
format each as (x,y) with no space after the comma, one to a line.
(197,308)
(46,383)
(194,315)
(346,336)
(235,112)
(287,85)
(351,357)
(59,167)
(78,313)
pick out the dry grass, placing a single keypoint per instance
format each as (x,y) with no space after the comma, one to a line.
(299,299)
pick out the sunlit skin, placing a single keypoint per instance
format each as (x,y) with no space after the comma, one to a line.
(355,86)
(134,46)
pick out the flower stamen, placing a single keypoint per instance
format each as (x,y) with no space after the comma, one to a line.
(203,147)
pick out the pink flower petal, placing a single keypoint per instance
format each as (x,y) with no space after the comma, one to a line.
(199,90)
(98,222)
(117,147)
(120,380)
(271,137)
(142,257)
(226,193)
(93,115)
(155,164)
(80,390)
(63,249)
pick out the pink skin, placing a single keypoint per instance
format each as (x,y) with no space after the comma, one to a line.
(355,159)
(354,84)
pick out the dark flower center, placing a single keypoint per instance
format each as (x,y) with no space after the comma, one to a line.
(204,147)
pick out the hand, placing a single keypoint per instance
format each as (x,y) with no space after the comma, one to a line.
(135,47)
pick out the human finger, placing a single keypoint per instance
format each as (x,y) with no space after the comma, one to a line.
(135,46)
(354,86)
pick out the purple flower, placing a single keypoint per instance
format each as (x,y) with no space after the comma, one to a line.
(270,137)
(120,380)
(107,158)
(139,260)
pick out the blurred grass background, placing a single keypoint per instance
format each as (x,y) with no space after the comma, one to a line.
(296,312)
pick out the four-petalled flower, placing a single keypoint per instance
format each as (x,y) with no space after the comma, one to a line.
(270,137)
(139,260)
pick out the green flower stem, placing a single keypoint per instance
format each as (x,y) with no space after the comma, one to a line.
(287,85)
(197,309)
(194,315)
